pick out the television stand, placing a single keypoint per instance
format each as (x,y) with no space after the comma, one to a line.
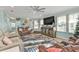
(49,31)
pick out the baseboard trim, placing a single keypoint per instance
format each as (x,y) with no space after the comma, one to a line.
(59,37)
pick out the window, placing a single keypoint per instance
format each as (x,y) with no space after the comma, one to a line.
(41,23)
(72,22)
(61,23)
(36,24)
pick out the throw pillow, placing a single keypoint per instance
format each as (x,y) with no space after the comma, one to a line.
(7,41)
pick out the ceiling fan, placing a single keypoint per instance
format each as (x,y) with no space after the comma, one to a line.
(38,9)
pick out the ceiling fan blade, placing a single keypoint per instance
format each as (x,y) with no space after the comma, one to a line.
(33,7)
(42,9)
(37,7)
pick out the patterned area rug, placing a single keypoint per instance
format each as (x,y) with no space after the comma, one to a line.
(33,40)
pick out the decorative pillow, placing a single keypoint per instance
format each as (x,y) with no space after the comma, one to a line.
(54,50)
(7,41)
(42,48)
(1,44)
(77,41)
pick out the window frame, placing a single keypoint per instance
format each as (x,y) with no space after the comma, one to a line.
(59,20)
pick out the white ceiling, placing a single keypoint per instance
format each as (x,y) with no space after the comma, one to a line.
(26,11)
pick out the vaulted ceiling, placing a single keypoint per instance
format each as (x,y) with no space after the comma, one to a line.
(27,11)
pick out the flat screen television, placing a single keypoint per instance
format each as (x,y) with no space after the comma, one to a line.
(49,20)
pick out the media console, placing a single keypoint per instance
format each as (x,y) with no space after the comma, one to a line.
(49,31)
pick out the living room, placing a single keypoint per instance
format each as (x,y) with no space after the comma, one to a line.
(39,28)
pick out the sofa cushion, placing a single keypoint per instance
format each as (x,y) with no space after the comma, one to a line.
(1,35)
(1,44)
(7,41)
